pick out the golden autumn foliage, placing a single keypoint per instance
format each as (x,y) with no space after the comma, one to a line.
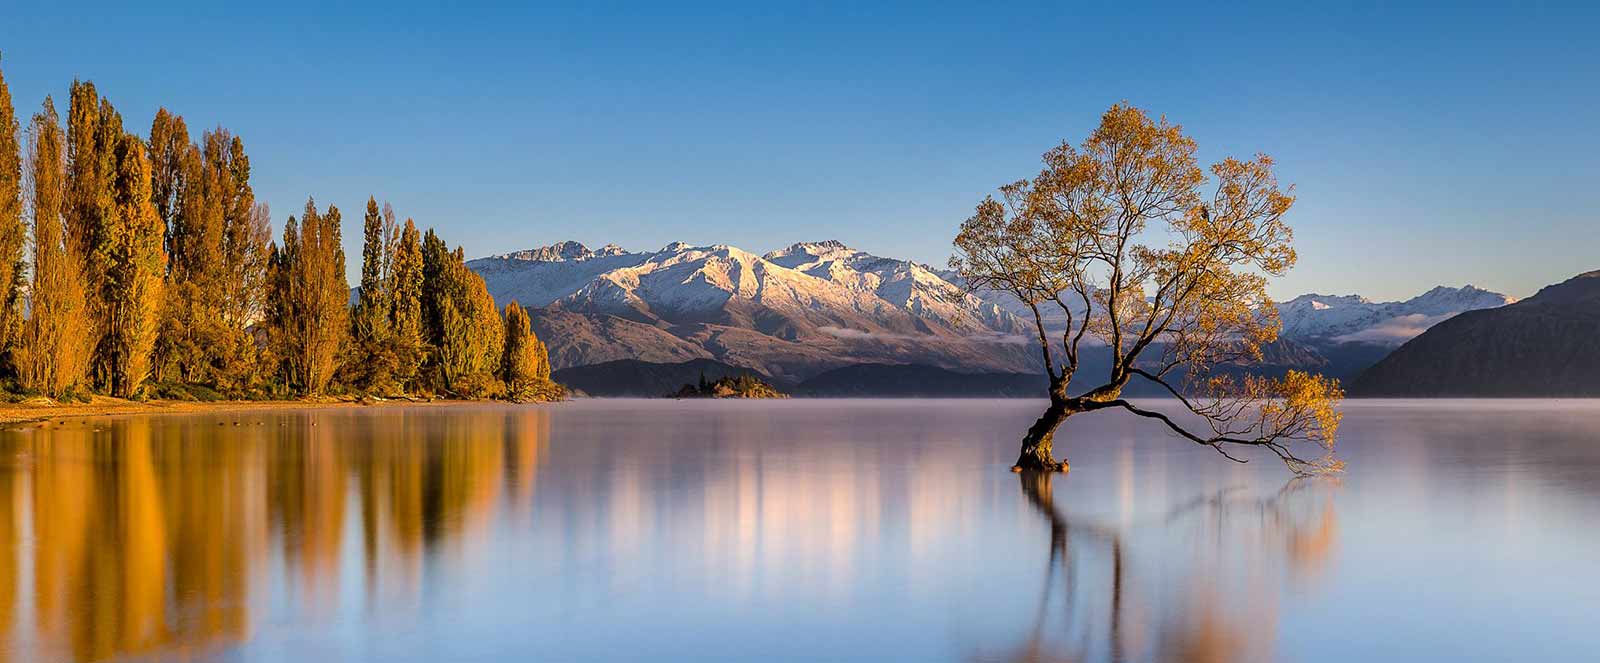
(526,367)
(153,274)
(58,336)
(309,299)
(463,323)
(405,306)
(13,232)
(216,240)
(1077,237)
(131,293)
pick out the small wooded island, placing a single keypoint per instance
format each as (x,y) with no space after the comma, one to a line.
(733,386)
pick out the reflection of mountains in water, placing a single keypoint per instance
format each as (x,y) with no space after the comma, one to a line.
(154,535)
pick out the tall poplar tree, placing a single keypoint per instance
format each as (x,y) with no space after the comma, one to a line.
(246,230)
(464,326)
(13,232)
(94,134)
(310,310)
(405,308)
(189,336)
(134,272)
(171,158)
(53,355)
(526,365)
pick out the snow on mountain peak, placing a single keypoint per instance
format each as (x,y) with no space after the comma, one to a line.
(825,283)
(558,252)
(1354,318)
(824,247)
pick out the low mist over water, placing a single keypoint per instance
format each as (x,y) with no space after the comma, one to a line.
(800,530)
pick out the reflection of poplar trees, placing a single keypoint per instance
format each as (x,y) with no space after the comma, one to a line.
(150,536)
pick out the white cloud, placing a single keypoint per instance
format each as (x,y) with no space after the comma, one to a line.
(1398,329)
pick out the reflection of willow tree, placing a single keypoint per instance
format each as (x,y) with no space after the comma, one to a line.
(154,538)
(1202,631)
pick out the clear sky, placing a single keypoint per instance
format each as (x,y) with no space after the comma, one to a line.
(1429,145)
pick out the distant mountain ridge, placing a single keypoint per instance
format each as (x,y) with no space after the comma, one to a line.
(1353,318)
(812,307)
(1545,345)
(790,313)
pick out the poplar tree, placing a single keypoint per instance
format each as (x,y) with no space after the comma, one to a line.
(310,299)
(190,332)
(171,158)
(526,365)
(405,308)
(130,297)
(246,231)
(94,136)
(464,324)
(13,232)
(58,336)
(93,130)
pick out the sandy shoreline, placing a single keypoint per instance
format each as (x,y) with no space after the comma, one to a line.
(20,413)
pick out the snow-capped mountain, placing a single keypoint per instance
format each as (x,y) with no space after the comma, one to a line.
(792,312)
(908,285)
(1318,319)
(810,307)
(1352,318)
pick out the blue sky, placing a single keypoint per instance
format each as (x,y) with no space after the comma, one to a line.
(1448,144)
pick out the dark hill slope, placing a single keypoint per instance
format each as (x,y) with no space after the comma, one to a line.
(1546,345)
(918,380)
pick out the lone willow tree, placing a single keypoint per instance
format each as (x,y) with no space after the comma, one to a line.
(1120,238)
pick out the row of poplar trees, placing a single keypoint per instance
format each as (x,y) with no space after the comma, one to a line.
(150,270)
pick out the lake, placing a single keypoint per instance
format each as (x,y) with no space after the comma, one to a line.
(794,530)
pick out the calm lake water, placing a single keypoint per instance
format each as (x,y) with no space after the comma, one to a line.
(802,530)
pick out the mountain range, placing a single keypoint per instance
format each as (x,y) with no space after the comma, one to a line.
(790,313)
(1545,345)
(809,308)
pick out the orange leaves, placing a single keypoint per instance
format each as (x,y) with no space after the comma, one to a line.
(1170,276)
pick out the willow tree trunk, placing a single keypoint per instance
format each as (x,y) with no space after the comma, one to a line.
(1037,452)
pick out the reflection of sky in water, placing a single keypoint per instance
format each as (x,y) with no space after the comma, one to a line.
(792,530)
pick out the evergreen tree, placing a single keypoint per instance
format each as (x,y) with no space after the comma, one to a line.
(53,356)
(372,364)
(13,232)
